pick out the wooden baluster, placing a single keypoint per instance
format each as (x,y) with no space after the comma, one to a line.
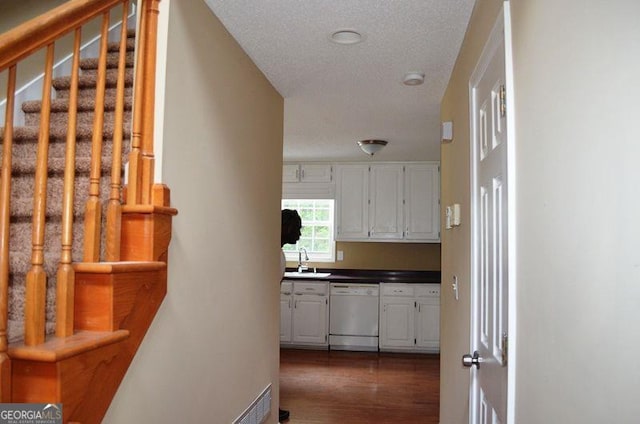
(151,11)
(34,330)
(114,207)
(66,275)
(5,213)
(93,210)
(135,176)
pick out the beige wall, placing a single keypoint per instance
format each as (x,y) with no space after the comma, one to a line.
(384,256)
(576,113)
(214,346)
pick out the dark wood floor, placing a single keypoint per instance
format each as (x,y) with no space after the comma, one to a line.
(359,387)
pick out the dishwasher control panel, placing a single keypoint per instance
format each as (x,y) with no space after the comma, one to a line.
(338,289)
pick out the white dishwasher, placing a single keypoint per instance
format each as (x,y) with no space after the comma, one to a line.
(353,316)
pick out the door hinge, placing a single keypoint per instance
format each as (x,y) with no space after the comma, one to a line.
(505,348)
(503,101)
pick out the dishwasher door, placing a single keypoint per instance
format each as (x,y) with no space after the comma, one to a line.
(353,316)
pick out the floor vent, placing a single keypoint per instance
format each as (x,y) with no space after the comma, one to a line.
(259,409)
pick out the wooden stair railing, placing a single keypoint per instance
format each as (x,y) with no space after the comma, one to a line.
(103,309)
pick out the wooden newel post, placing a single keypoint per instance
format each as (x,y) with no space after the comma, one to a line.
(146,229)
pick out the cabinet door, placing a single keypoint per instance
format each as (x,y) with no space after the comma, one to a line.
(428,324)
(310,319)
(290,173)
(352,193)
(315,173)
(422,208)
(397,328)
(285,318)
(386,201)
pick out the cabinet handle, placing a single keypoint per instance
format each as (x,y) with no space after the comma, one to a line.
(302,174)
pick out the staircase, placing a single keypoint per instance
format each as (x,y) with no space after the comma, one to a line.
(26,141)
(79,286)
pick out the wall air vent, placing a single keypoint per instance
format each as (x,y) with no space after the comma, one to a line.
(259,409)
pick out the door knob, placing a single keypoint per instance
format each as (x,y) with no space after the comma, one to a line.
(468,360)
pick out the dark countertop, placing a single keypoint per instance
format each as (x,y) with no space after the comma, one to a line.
(373,276)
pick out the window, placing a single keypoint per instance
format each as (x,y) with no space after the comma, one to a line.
(317,229)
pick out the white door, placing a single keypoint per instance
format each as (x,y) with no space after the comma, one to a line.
(489,313)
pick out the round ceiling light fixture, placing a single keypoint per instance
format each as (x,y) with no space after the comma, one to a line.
(346,36)
(371,147)
(413,78)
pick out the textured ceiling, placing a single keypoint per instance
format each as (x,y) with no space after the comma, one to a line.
(338,94)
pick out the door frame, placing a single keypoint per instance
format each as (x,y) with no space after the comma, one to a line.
(502,28)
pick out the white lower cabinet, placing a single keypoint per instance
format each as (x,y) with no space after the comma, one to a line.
(306,322)
(410,317)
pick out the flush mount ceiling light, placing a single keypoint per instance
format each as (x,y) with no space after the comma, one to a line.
(371,147)
(413,78)
(346,36)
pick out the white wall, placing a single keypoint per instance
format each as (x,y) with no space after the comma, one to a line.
(214,345)
(578,277)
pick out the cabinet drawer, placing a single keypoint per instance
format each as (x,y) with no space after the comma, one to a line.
(310,288)
(286,287)
(397,290)
(428,290)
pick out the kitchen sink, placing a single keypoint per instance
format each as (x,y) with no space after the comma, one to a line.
(295,274)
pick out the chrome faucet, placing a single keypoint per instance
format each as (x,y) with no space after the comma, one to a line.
(301,266)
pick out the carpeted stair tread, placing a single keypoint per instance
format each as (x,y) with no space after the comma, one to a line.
(21,232)
(115,46)
(85,104)
(22,165)
(15,330)
(113,59)
(20,263)
(59,133)
(89,81)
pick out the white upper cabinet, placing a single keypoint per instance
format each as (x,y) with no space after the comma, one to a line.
(386,198)
(352,202)
(290,173)
(392,201)
(422,205)
(307,173)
